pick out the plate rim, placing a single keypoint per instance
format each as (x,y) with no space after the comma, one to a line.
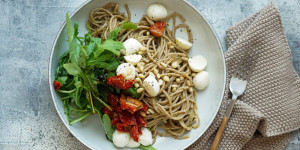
(83,141)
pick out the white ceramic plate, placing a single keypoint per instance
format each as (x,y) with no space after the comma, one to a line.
(90,132)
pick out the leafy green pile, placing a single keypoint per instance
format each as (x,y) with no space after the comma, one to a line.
(82,71)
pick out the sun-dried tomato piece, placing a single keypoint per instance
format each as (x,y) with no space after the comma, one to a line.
(121,127)
(140,120)
(115,118)
(127,118)
(110,113)
(113,99)
(157,29)
(56,85)
(134,133)
(140,130)
(130,104)
(119,82)
(118,109)
(145,108)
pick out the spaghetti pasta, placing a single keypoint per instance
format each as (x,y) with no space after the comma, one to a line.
(174,109)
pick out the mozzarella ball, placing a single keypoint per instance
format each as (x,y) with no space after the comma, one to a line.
(127,70)
(157,12)
(132,46)
(132,143)
(151,85)
(197,63)
(183,44)
(120,139)
(133,59)
(146,137)
(201,80)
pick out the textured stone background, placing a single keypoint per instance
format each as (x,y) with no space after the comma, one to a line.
(28,119)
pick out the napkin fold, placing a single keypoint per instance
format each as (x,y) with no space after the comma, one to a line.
(270,107)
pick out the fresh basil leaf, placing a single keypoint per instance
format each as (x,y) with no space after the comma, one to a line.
(113,46)
(114,34)
(72,69)
(70,29)
(129,25)
(149,147)
(107,126)
(74,47)
(62,80)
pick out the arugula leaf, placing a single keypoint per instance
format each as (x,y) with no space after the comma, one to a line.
(60,70)
(90,48)
(111,74)
(88,82)
(103,92)
(113,46)
(106,122)
(114,64)
(77,96)
(66,107)
(70,29)
(102,65)
(96,40)
(82,60)
(107,126)
(62,80)
(114,34)
(72,69)
(80,118)
(129,25)
(83,52)
(87,25)
(149,147)
(74,47)
(106,56)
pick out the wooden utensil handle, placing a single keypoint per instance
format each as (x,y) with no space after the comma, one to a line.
(218,137)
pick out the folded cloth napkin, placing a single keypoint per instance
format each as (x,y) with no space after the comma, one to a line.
(270,107)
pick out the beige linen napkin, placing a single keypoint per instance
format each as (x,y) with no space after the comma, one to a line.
(270,107)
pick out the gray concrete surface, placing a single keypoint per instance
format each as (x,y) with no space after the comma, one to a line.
(28,119)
